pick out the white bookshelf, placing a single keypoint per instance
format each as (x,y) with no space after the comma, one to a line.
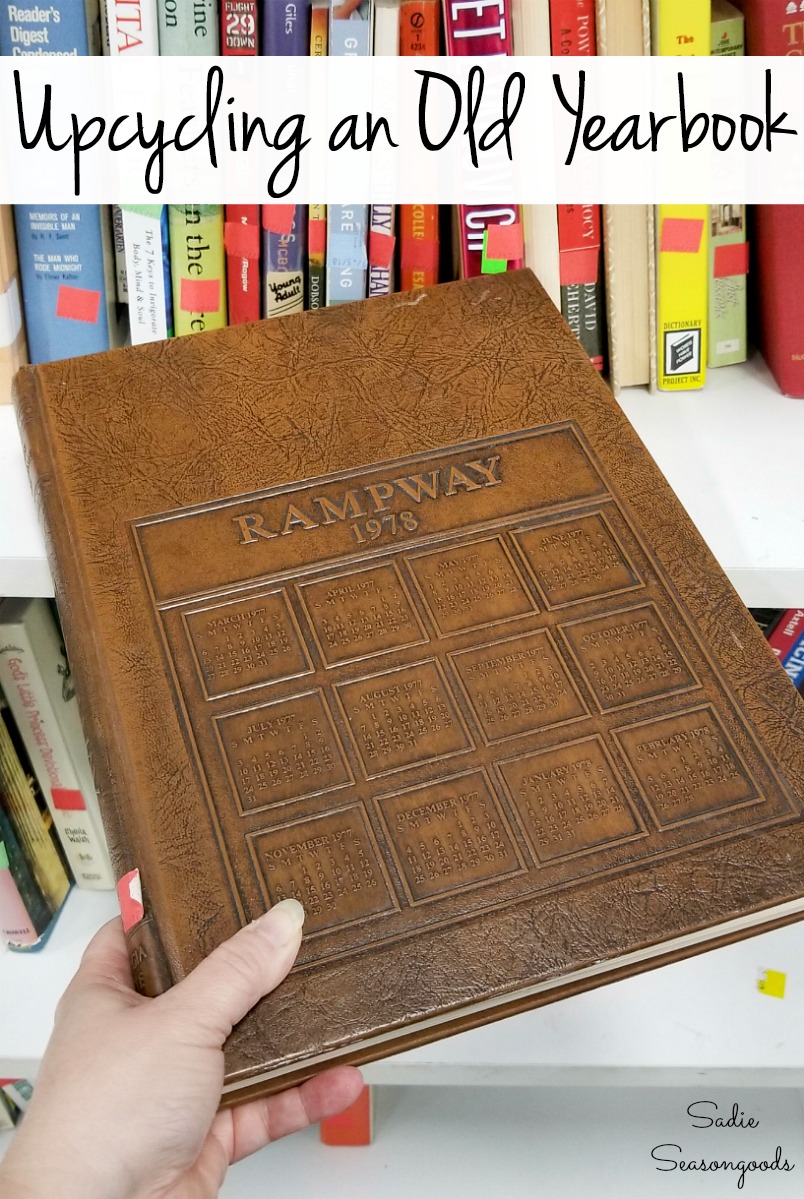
(725,450)
(524,1097)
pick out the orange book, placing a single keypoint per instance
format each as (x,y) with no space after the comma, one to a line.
(419,34)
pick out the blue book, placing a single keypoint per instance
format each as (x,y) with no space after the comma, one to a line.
(285,27)
(62,27)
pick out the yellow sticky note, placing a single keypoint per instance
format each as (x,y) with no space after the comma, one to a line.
(772,983)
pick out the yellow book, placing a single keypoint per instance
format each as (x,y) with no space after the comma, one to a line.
(197,267)
(682,294)
(681,26)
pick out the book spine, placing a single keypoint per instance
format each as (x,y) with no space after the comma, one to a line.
(60,27)
(119,251)
(728,301)
(786,632)
(13,348)
(187,27)
(239,28)
(150,304)
(283,267)
(682,287)
(681,26)
(777,270)
(350,36)
(197,267)
(317,213)
(794,663)
(773,28)
(419,34)
(63,256)
(241,236)
(130,27)
(382,218)
(580,238)
(149,964)
(285,27)
(24,913)
(24,670)
(479,30)
(30,818)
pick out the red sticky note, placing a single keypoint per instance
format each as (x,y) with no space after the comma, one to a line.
(352,1126)
(241,241)
(505,242)
(78,304)
(129,896)
(420,255)
(200,295)
(381,249)
(66,799)
(317,238)
(278,218)
(681,235)
(731,260)
(579,266)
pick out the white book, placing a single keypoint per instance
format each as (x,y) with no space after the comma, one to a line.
(145,238)
(383,216)
(129,27)
(34,676)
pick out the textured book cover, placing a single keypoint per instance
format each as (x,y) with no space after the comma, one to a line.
(188,27)
(283,263)
(419,34)
(147,253)
(773,27)
(407,624)
(728,299)
(239,27)
(682,234)
(37,685)
(777,241)
(242,237)
(197,267)
(13,350)
(478,30)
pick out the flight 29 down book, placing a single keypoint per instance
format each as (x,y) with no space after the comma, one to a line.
(387,608)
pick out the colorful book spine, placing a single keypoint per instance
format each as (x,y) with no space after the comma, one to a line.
(283,260)
(419,35)
(285,27)
(317,213)
(129,27)
(786,630)
(794,663)
(150,302)
(188,27)
(382,218)
(25,915)
(350,36)
(197,267)
(241,237)
(580,237)
(681,26)
(239,28)
(479,30)
(13,349)
(60,27)
(773,27)
(29,817)
(36,684)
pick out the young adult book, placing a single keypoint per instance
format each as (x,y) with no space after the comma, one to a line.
(146,241)
(317,213)
(777,241)
(188,27)
(351,29)
(530,23)
(406,623)
(239,27)
(197,267)
(629,253)
(773,27)
(418,224)
(283,262)
(13,349)
(479,30)
(36,681)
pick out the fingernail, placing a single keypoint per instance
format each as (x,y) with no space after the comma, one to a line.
(282,922)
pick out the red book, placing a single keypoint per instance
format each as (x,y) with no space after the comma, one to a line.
(572,27)
(786,632)
(479,30)
(419,34)
(239,27)
(777,277)
(241,239)
(771,27)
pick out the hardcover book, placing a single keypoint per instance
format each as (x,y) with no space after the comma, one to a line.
(778,241)
(386,607)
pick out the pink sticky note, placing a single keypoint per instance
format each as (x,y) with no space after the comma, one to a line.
(278,218)
(241,241)
(381,249)
(129,896)
(731,260)
(200,295)
(78,304)
(681,235)
(505,242)
(578,266)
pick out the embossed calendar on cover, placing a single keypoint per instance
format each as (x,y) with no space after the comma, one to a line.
(387,608)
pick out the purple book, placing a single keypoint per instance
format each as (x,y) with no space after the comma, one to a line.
(285,27)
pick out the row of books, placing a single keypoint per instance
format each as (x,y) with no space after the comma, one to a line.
(51,834)
(669,297)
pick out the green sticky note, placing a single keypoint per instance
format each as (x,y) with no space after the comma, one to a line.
(152,210)
(3,857)
(491,266)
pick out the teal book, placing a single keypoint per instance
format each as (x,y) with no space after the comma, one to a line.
(188,27)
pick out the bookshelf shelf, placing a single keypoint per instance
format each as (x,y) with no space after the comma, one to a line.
(724,451)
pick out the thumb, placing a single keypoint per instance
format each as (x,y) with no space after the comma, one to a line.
(227,983)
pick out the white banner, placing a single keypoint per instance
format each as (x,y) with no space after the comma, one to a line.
(406,130)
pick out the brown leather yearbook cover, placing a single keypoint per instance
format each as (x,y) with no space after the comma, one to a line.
(386,607)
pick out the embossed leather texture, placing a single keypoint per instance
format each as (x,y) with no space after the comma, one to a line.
(386,607)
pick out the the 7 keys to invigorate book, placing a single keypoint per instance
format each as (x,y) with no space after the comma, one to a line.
(387,608)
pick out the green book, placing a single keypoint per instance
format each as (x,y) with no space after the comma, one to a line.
(197,267)
(188,27)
